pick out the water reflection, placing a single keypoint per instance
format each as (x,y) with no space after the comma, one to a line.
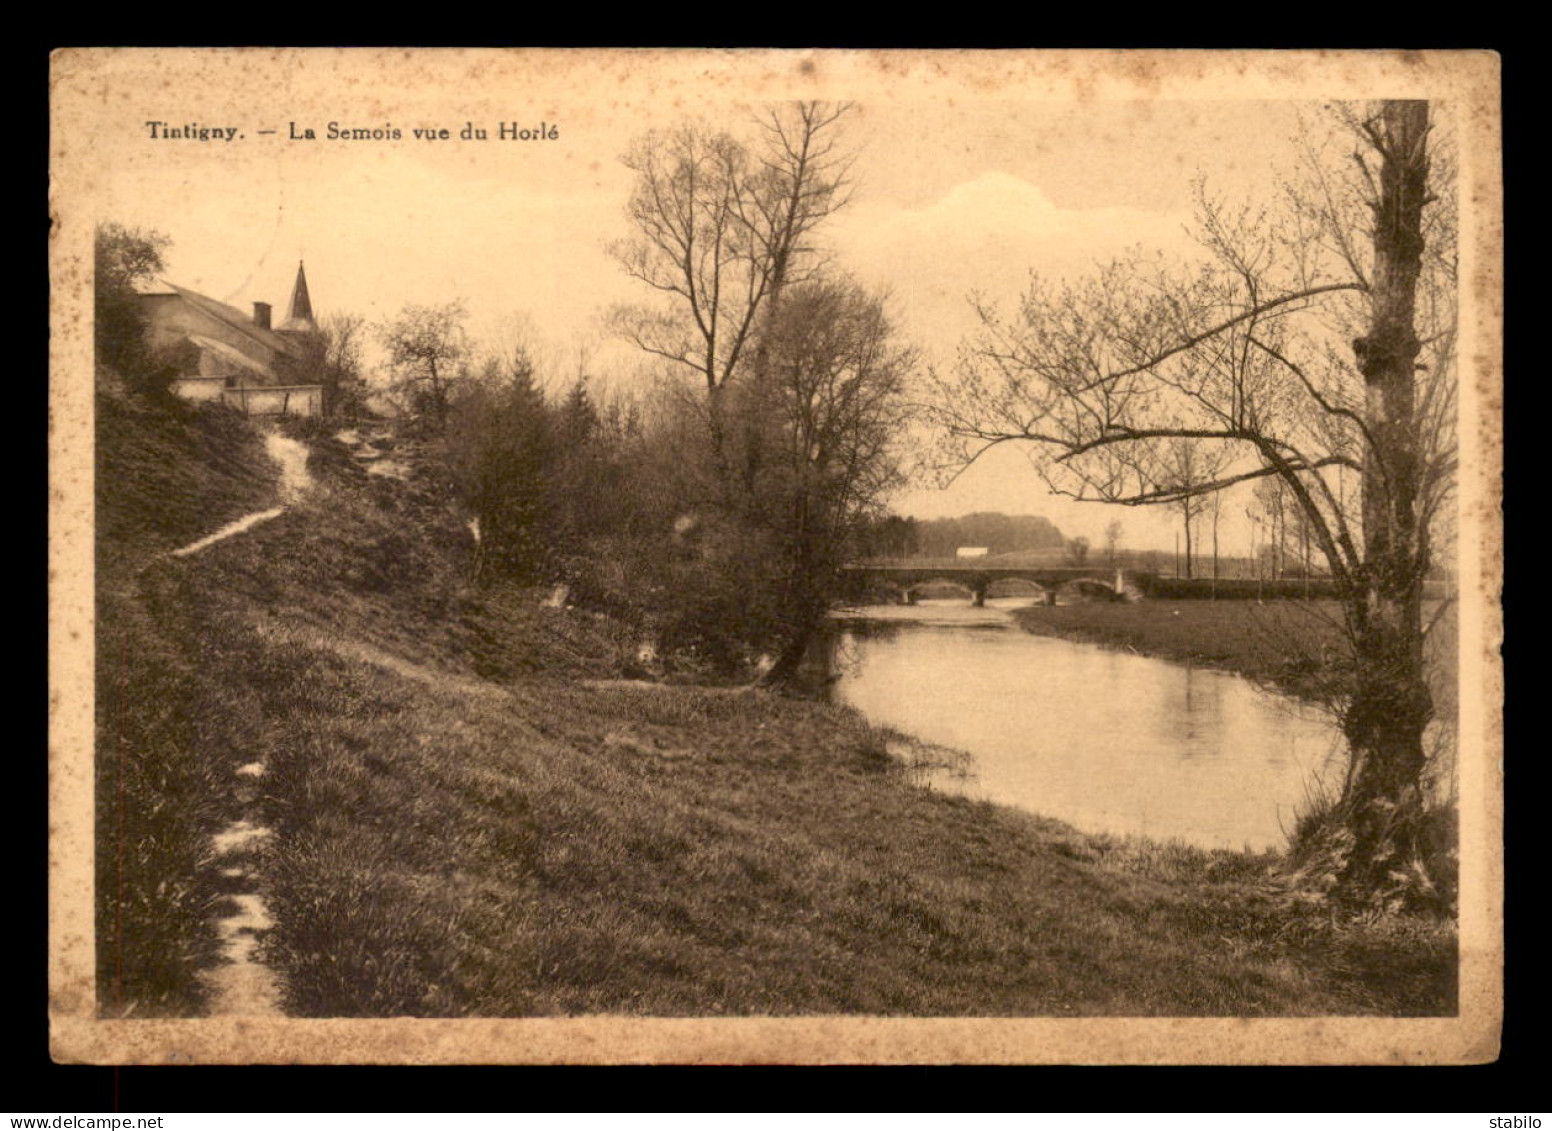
(1110,741)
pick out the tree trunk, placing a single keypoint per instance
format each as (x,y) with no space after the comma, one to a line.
(1216,499)
(1304,556)
(1186,507)
(790,660)
(1390,704)
(805,601)
(1279,564)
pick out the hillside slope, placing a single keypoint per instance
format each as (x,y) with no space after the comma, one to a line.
(464,817)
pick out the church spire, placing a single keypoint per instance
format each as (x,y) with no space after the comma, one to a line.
(300,320)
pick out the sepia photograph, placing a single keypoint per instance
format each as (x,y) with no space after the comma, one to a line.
(691,556)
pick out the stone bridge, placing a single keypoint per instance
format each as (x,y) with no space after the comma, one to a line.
(905,575)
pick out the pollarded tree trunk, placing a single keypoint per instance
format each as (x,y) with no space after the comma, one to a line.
(793,651)
(806,600)
(1390,705)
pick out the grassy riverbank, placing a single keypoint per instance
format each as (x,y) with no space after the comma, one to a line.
(463,824)
(1285,644)
(1279,643)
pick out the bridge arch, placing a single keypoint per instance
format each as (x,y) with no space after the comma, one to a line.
(910,590)
(979,587)
(1016,587)
(903,578)
(1092,585)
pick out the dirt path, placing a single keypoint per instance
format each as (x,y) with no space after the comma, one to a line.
(241,984)
(247,522)
(291,457)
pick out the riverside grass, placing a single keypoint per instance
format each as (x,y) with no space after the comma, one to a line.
(464,827)
(1280,643)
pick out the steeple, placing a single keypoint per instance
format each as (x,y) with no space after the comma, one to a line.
(300,320)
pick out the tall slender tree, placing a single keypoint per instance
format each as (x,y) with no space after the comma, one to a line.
(830,413)
(1296,347)
(723,227)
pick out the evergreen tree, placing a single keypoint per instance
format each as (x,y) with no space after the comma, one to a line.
(502,451)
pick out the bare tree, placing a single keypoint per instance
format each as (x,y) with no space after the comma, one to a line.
(1215,507)
(339,342)
(723,227)
(1113,542)
(1297,349)
(1179,467)
(1271,509)
(426,346)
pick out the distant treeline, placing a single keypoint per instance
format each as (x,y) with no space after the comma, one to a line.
(942,537)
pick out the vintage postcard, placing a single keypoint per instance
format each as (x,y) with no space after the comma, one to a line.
(688,556)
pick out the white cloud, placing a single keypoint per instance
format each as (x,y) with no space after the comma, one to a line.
(985,235)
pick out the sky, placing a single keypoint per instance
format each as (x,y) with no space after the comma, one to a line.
(950,198)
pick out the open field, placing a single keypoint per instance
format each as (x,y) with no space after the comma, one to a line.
(462,826)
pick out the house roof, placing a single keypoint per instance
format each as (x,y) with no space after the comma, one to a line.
(143,285)
(226,353)
(233,317)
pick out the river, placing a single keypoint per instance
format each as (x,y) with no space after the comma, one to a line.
(1108,741)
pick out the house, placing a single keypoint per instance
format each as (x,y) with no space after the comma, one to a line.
(217,352)
(971,552)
